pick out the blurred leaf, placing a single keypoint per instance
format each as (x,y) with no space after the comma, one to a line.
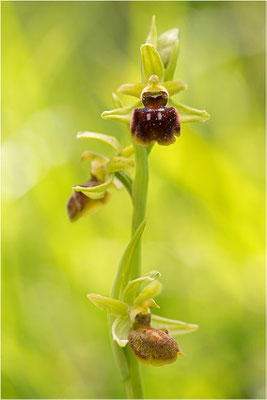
(152,36)
(120,330)
(151,62)
(189,114)
(174,326)
(114,307)
(149,292)
(109,140)
(132,287)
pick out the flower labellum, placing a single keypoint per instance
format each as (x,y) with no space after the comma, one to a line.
(155,122)
(80,205)
(152,346)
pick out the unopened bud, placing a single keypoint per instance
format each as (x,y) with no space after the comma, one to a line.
(167,42)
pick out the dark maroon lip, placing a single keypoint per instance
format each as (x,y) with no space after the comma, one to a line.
(159,124)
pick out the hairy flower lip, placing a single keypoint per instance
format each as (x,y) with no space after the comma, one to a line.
(152,346)
(158,125)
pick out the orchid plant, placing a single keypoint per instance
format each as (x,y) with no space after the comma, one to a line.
(136,333)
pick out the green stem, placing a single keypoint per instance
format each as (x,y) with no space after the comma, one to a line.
(126,360)
(139,194)
(140,186)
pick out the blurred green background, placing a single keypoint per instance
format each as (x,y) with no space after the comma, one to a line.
(205,230)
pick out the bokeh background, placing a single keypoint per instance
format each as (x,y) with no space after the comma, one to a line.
(205,230)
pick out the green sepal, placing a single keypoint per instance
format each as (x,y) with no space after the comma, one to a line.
(167,41)
(149,292)
(152,35)
(189,114)
(171,66)
(116,101)
(131,89)
(120,163)
(114,307)
(123,114)
(175,327)
(94,192)
(120,329)
(122,277)
(109,140)
(174,87)
(132,287)
(151,62)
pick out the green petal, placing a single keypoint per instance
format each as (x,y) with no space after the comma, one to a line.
(151,62)
(171,66)
(149,303)
(123,114)
(94,192)
(128,151)
(126,261)
(132,287)
(93,156)
(131,89)
(174,87)
(119,164)
(166,44)
(149,292)
(152,36)
(189,114)
(174,327)
(114,307)
(109,140)
(120,330)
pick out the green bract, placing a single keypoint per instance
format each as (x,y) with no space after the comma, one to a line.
(158,58)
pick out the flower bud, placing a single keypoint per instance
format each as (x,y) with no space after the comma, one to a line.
(152,346)
(167,43)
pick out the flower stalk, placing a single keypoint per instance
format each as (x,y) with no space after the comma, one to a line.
(136,333)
